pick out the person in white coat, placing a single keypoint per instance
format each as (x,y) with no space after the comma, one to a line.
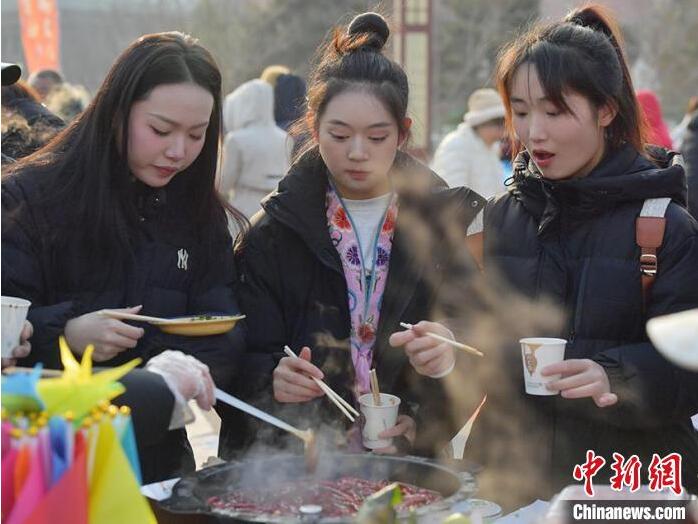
(469,155)
(256,153)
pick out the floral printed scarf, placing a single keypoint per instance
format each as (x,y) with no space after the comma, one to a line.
(365,286)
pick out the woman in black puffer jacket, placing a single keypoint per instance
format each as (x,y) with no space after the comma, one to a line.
(566,231)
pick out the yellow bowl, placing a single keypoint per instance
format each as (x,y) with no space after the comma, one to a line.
(199,326)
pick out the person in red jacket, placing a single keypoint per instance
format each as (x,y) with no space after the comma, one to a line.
(652,109)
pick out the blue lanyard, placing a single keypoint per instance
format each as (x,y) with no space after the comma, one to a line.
(367,282)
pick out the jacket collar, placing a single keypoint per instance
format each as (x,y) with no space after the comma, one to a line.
(299,200)
(622,176)
(299,203)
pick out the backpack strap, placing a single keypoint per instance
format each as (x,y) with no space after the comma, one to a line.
(649,235)
(476,245)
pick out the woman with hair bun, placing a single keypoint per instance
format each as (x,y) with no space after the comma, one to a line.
(566,230)
(330,268)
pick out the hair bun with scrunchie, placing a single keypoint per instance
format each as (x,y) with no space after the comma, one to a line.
(589,18)
(373,24)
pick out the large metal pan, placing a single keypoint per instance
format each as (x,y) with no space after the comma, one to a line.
(191,493)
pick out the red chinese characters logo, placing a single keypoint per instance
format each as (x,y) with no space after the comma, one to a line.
(665,473)
(587,471)
(662,472)
(625,473)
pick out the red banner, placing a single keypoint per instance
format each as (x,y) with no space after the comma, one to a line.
(38,20)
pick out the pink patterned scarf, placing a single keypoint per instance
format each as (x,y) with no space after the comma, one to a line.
(365,285)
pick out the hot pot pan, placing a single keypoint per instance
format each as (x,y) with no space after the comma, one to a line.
(191,493)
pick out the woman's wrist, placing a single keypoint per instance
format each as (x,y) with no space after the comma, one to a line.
(446,372)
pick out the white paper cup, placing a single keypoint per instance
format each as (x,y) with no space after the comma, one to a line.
(536,353)
(378,418)
(14,313)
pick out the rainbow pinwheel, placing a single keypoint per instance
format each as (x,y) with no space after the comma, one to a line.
(79,390)
(69,457)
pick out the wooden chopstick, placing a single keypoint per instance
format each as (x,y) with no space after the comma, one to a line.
(455,344)
(342,404)
(336,399)
(374,388)
(119,315)
(44,372)
(320,383)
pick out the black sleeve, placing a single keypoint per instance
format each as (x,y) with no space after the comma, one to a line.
(259,291)
(151,403)
(162,453)
(24,275)
(689,151)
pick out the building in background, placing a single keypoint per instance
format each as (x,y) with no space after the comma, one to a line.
(412,48)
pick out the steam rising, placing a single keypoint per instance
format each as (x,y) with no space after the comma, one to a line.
(482,311)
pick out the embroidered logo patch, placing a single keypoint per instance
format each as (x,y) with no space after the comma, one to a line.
(182,257)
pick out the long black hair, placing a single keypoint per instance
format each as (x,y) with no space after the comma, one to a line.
(582,53)
(353,59)
(85,167)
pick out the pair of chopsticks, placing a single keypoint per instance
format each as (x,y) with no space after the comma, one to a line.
(336,399)
(464,347)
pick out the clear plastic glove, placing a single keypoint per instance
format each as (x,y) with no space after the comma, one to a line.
(108,335)
(187,377)
(24,347)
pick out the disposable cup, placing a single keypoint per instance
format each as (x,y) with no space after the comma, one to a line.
(536,353)
(378,418)
(14,313)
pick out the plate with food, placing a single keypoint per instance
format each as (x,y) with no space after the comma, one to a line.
(191,326)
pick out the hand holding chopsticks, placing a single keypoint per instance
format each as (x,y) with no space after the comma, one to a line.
(436,336)
(338,401)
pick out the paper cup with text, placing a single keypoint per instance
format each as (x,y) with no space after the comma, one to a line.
(536,353)
(378,419)
(14,313)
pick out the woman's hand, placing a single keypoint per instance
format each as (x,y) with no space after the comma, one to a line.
(581,378)
(404,427)
(292,382)
(430,357)
(24,347)
(108,335)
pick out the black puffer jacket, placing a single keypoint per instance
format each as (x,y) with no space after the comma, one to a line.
(574,242)
(293,290)
(170,272)
(689,151)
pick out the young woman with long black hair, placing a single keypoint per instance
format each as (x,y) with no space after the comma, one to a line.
(120,210)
